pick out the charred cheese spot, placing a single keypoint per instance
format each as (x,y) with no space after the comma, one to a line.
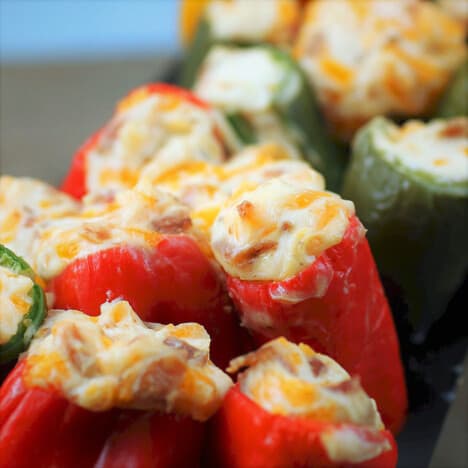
(437,149)
(293,380)
(270,21)
(15,301)
(378,57)
(116,360)
(277,229)
(26,205)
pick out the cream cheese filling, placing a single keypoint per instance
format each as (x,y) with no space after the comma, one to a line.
(277,229)
(439,148)
(15,302)
(116,360)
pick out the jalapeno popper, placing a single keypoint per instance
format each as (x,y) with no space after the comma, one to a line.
(266,97)
(410,186)
(298,265)
(110,391)
(139,246)
(378,57)
(295,407)
(235,22)
(22,305)
(153,119)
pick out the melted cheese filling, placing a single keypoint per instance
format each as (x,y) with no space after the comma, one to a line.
(293,380)
(135,217)
(141,130)
(116,360)
(250,82)
(15,302)
(26,205)
(439,149)
(368,58)
(269,21)
(278,229)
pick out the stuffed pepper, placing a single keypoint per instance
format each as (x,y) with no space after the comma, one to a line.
(454,102)
(378,57)
(295,407)
(235,22)
(298,265)
(410,186)
(266,97)
(139,246)
(153,119)
(22,305)
(110,391)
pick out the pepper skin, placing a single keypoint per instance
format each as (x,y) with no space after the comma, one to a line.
(38,426)
(351,321)
(247,436)
(173,283)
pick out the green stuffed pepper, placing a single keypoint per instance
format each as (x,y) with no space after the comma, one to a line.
(22,305)
(410,188)
(266,97)
(235,22)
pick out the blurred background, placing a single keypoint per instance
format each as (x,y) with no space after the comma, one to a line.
(63,65)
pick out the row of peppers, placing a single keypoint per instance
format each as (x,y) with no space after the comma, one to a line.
(152,282)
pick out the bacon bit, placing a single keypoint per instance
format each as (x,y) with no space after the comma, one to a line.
(317,366)
(245,209)
(96,234)
(455,129)
(78,353)
(347,386)
(286,226)
(172,224)
(250,254)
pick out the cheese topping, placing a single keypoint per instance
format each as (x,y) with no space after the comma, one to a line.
(439,148)
(15,301)
(250,82)
(25,205)
(457,8)
(268,21)
(278,229)
(144,126)
(368,58)
(293,380)
(116,360)
(135,217)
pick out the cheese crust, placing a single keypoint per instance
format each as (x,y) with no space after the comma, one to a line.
(116,360)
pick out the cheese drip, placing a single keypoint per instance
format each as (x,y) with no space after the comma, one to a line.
(116,360)
(15,302)
(277,229)
(378,57)
(293,380)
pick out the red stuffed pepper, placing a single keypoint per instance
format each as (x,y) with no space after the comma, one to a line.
(299,266)
(294,407)
(153,119)
(140,246)
(110,391)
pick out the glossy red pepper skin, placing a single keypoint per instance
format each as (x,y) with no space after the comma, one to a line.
(174,282)
(351,321)
(244,435)
(74,183)
(40,428)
